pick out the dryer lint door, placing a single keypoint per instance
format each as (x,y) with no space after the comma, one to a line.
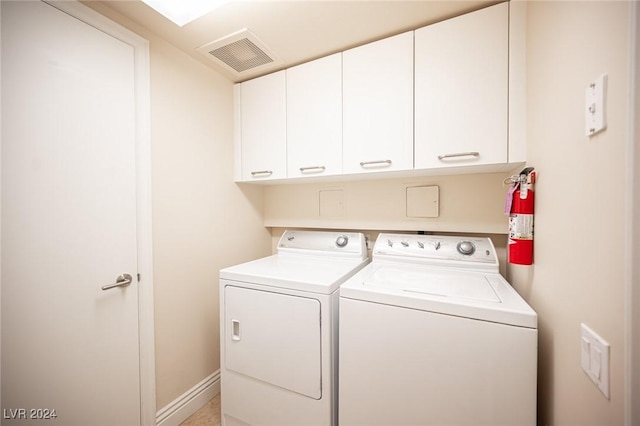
(274,338)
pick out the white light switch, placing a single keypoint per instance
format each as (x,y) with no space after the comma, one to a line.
(595,358)
(596,362)
(586,354)
(595,95)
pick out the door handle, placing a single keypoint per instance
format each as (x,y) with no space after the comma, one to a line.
(235,330)
(122,281)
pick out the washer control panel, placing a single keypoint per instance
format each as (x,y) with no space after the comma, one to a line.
(435,248)
(466,247)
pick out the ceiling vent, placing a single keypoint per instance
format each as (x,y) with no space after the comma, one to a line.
(240,52)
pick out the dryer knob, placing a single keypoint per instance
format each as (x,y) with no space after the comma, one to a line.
(342,241)
(466,247)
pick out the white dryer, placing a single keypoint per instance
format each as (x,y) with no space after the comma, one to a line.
(432,334)
(279,330)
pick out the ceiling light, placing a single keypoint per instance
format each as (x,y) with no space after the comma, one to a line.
(184,11)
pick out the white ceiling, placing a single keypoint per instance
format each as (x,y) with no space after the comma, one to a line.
(296,30)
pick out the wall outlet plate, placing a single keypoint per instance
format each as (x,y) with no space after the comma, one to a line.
(595,358)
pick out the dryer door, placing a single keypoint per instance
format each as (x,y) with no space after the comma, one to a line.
(274,338)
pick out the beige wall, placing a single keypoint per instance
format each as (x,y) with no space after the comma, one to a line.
(468,203)
(202,221)
(579,273)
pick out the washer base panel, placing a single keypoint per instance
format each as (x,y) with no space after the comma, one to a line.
(409,367)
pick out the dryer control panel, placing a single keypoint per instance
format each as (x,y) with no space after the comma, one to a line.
(436,249)
(347,244)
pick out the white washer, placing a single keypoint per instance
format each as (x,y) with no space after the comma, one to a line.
(279,330)
(431,334)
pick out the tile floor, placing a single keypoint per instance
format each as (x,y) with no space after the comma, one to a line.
(209,415)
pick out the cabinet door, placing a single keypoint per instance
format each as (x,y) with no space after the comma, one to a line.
(263,128)
(461,97)
(378,106)
(314,117)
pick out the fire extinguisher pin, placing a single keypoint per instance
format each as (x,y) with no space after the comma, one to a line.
(520,179)
(512,180)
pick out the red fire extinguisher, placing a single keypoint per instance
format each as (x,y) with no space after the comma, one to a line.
(519,207)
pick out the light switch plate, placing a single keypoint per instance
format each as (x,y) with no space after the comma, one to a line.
(595,96)
(595,358)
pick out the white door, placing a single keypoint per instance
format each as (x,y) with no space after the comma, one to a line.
(70,350)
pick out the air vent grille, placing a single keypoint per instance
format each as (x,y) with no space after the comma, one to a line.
(241,55)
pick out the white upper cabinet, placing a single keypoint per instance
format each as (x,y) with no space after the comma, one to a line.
(263,128)
(461,90)
(378,106)
(446,98)
(314,118)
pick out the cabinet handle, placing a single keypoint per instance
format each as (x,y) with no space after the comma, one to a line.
(312,169)
(378,163)
(261,173)
(459,154)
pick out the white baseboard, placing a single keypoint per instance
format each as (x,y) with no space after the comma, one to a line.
(188,403)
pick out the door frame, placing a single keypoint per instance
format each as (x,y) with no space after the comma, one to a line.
(632,296)
(143,195)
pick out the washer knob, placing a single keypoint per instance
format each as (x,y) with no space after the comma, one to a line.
(466,247)
(342,241)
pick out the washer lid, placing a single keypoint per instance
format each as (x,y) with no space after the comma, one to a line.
(475,295)
(462,285)
(316,274)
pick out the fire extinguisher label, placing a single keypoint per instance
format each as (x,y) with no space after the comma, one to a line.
(521,226)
